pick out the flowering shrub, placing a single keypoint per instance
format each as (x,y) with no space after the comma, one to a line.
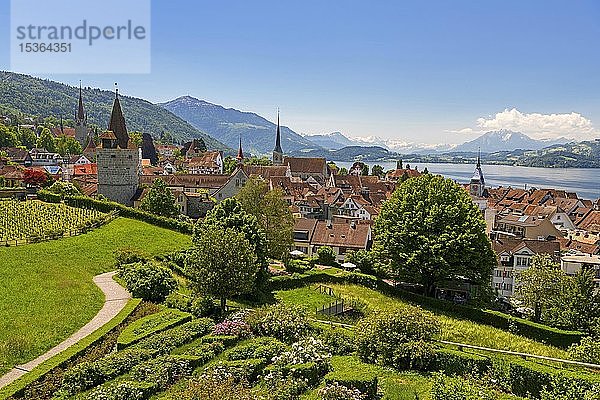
(286,323)
(243,371)
(335,391)
(305,351)
(379,336)
(284,387)
(126,390)
(233,328)
(338,341)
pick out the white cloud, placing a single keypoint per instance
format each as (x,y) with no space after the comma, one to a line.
(541,126)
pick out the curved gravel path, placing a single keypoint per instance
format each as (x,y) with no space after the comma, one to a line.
(115,298)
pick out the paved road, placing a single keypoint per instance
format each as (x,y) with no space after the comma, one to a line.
(115,298)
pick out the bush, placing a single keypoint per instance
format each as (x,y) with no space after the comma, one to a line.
(566,389)
(338,341)
(126,390)
(149,325)
(459,363)
(284,322)
(459,388)
(167,341)
(150,281)
(365,260)
(365,383)
(239,329)
(203,306)
(416,354)
(304,351)
(264,347)
(89,374)
(206,351)
(335,391)
(299,265)
(326,256)
(379,335)
(130,255)
(48,196)
(587,351)
(163,371)
(239,370)
(209,387)
(180,302)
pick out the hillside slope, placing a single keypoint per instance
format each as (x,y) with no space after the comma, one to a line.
(227,124)
(41,97)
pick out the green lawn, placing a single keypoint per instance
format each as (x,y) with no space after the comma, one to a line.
(453,329)
(46,289)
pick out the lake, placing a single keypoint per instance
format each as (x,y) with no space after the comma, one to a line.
(583,181)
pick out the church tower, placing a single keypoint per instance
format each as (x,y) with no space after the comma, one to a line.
(277,151)
(240,154)
(118,160)
(477,184)
(81,128)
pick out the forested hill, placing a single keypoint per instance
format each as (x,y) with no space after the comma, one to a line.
(44,98)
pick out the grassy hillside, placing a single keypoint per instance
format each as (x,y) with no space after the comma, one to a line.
(453,329)
(44,98)
(46,289)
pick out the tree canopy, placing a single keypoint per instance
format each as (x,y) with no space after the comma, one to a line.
(272,213)
(430,231)
(159,200)
(222,263)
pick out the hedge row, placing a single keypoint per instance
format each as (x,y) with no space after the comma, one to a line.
(150,325)
(366,383)
(523,378)
(541,333)
(129,212)
(296,280)
(90,374)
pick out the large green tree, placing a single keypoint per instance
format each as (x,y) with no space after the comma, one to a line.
(222,263)
(273,214)
(66,145)
(7,137)
(46,141)
(429,231)
(230,214)
(27,137)
(160,200)
(540,286)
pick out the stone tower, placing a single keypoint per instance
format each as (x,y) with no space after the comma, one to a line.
(81,128)
(277,151)
(118,160)
(477,184)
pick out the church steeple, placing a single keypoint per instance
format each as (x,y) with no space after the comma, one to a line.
(81,131)
(240,154)
(278,151)
(477,184)
(117,122)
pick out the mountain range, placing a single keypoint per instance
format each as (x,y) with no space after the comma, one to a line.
(221,128)
(505,140)
(26,95)
(228,124)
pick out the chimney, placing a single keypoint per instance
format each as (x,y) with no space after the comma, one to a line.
(329,224)
(353,224)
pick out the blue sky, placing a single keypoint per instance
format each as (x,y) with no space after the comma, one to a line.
(414,71)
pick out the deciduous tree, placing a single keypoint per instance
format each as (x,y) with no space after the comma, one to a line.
(272,212)
(429,231)
(222,264)
(160,200)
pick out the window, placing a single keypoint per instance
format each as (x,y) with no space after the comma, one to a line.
(522,261)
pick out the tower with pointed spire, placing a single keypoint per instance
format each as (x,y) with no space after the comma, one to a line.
(277,151)
(240,154)
(81,128)
(118,159)
(477,184)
